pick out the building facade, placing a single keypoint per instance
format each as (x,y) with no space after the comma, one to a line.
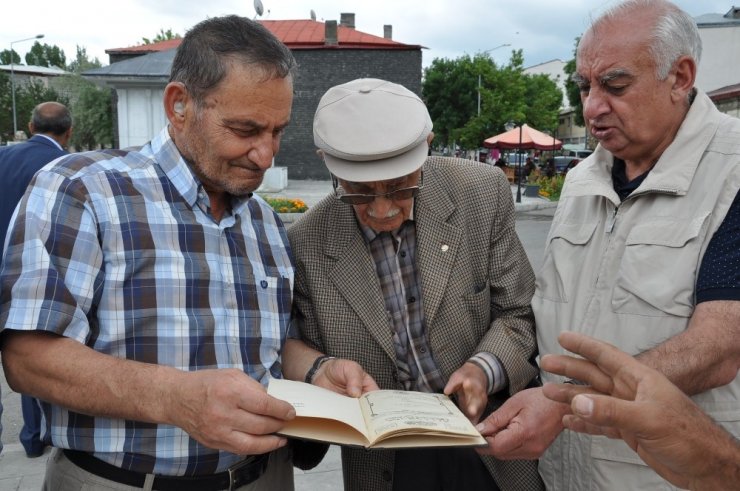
(328,53)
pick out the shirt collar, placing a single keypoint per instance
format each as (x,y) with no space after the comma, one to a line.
(52,140)
(182,177)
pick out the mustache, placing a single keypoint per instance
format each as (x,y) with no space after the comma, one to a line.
(390,214)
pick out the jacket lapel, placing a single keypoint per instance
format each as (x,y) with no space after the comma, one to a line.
(354,276)
(437,244)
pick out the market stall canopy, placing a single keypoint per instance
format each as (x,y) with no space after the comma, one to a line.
(529,138)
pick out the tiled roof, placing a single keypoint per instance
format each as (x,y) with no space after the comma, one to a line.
(728,92)
(296,34)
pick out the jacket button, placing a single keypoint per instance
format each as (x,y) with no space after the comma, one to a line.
(387,476)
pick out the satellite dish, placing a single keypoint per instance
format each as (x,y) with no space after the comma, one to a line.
(313,15)
(258,7)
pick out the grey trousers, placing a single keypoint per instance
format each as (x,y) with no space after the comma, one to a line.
(63,475)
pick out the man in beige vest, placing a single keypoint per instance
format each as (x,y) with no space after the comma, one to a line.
(643,250)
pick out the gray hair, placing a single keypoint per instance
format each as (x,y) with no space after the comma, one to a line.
(675,33)
(201,61)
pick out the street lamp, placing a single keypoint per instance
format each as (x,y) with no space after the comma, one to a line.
(477,152)
(479,77)
(12,77)
(510,126)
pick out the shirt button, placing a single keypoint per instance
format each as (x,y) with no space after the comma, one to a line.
(387,476)
(412,299)
(403,253)
(423,349)
(263,284)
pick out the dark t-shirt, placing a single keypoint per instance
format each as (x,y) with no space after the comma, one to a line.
(719,275)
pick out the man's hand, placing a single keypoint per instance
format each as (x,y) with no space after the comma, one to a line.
(523,427)
(639,405)
(470,386)
(345,377)
(227,410)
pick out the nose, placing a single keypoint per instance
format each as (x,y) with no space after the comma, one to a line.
(595,104)
(263,150)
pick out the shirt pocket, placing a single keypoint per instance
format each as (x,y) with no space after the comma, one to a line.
(658,269)
(566,248)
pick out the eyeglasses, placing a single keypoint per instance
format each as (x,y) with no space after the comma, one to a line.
(363,199)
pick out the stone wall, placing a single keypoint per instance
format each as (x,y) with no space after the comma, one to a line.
(323,68)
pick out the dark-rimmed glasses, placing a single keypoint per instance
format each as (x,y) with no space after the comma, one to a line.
(363,199)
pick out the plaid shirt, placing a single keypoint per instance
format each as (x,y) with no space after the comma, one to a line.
(117,250)
(394,254)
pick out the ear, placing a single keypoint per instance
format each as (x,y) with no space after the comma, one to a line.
(684,76)
(176,100)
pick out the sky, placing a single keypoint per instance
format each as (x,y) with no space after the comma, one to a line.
(543,29)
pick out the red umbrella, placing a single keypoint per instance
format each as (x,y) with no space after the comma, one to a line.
(527,138)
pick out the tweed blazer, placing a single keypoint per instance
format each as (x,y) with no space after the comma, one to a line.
(476,283)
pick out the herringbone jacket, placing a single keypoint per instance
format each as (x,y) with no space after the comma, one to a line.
(477,285)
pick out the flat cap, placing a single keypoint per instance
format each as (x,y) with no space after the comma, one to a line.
(371,130)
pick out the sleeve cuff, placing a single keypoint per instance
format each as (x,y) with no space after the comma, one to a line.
(493,369)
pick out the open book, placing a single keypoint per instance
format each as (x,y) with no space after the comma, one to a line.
(379,419)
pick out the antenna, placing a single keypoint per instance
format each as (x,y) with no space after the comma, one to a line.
(259,8)
(313,15)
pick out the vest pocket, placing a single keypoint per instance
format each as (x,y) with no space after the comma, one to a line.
(564,250)
(657,272)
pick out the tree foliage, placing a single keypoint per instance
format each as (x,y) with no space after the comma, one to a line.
(6,55)
(92,116)
(82,62)
(162,35)
(451,90)
(571,89)
(46,55)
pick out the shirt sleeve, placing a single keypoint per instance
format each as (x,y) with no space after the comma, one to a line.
(53,262)
(719,275)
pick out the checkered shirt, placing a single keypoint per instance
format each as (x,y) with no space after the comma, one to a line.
(117,250)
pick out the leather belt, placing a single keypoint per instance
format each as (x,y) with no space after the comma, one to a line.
(237,475)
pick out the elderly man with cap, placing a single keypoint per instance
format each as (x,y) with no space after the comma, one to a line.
(413,269)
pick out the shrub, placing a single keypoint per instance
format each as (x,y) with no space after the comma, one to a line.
(286,205)
(550,187)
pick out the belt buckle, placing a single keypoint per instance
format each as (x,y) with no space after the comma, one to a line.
(234,468)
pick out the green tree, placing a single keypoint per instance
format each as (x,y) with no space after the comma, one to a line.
(451,87)
(92,116)
(6,55)
(162,35)
(571,89)
(82,62)
(91,106)
(46,55)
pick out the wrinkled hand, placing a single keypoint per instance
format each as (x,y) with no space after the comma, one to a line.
(639,405)
(470,386)
(228,410)
(523,427)
(345,377)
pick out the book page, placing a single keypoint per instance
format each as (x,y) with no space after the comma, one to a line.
(315,408)
(392,412)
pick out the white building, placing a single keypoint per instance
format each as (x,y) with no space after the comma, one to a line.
(720,61)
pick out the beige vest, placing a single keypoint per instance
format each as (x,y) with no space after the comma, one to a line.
(626,273)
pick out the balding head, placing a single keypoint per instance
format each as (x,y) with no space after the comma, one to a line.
(51,119)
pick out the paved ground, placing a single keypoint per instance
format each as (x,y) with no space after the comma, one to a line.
(19,473)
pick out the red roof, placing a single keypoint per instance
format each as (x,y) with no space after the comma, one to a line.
(296,34)
(723,93)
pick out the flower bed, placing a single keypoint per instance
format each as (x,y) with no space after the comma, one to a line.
(287,205)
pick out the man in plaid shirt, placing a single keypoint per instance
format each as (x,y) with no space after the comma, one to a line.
(146,294)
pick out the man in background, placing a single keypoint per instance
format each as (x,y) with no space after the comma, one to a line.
(51,127)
